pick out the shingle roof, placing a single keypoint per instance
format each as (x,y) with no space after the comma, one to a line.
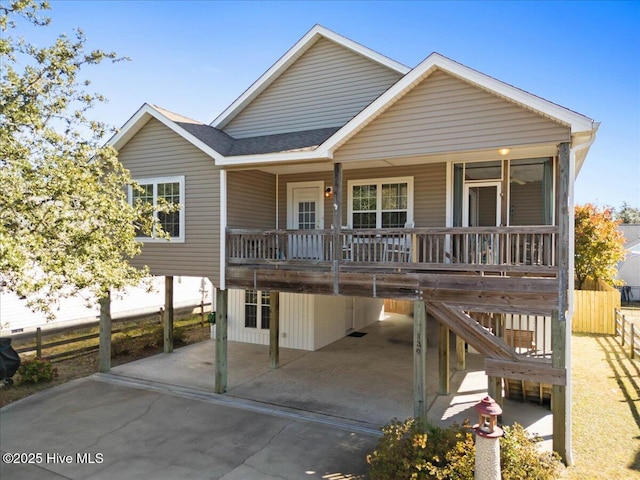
(229,146)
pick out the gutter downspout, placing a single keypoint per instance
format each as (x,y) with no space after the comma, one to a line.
(573,173)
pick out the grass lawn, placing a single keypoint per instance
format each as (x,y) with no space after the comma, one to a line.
(606,410)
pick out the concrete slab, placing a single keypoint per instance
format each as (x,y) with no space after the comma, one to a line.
(106,431)
(368,379)
(315,417)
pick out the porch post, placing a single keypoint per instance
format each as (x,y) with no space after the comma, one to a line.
(443,359)
(560,395)
(419,361)
(274,329)
(494,389)
(221,341)
(104,353)
(337,223)
(461,354)
(168,314)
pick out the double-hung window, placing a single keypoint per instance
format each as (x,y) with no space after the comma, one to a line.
(162,190)
(257,306)
(381,203)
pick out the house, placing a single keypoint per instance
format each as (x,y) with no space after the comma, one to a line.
(629,268)
(341,178)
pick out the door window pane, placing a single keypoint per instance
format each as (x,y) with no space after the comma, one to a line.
(306,215)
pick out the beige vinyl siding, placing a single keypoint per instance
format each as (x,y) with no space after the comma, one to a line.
(326,87)
(526,204)
(429,189)
(251,199)
(445,114)
(156,151)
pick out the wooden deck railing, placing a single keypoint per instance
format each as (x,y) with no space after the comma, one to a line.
(484,248)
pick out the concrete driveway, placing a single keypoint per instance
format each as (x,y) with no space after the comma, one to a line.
(317,416)
(109,431)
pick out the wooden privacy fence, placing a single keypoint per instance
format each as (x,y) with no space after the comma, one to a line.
(36,341)
(594,308)
(629,335)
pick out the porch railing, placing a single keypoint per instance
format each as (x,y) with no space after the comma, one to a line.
(519,248)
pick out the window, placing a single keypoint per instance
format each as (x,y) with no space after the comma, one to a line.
(169,190)
(254,316)
(530,190)
(384,203)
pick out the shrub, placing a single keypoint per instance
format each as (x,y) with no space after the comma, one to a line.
(121,345)
(156,338)
(37,371)
(410,450)
(520,457)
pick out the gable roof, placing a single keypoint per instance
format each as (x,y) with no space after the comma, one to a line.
(577,122)
(295,52)
(320,144)
(216,143)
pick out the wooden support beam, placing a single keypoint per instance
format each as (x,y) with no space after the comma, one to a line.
(443,360)
(104,354)
(561,395)
(337,223)
(274,329)
(474,334)
(559,392)
(168,314)
(494,389)
(461,354)
(528,370)
(419,361)
(221,341)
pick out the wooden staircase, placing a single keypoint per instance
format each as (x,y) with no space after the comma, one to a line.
(526,378)
(526,391)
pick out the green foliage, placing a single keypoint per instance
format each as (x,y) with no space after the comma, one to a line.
(599,245)
(156,338)
(65,221)
(37,371)
(410,450)
(521,458)
(121,344)
(628,214)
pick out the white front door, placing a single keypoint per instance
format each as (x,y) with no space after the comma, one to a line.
(305,211)
(482,209)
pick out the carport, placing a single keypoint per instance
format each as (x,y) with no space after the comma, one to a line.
(364,379)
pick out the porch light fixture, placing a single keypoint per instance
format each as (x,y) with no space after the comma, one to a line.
(504,151)
(328,192)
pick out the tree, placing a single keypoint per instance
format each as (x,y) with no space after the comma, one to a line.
(599,244)
(628,214)
(66,224)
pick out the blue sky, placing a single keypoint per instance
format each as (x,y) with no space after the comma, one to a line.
(196,57)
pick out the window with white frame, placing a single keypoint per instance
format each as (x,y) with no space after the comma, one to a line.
(257,307)
(154,191)
(380,203)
